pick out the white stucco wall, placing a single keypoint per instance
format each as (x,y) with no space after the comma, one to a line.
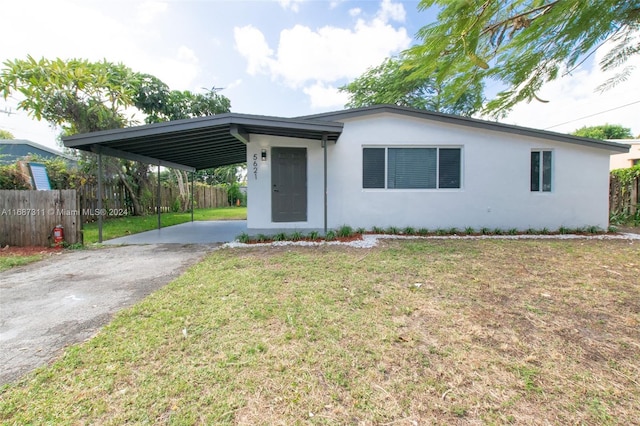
(495,189)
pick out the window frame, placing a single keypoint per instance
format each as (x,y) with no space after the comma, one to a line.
(386,149)
(541,181)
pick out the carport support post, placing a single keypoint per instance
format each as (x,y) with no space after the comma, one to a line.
(193,178)
(99,194)
(158,199)
(324,146)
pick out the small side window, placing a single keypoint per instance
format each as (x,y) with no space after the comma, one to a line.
(541,170)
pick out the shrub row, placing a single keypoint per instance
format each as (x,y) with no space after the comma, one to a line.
(346,231)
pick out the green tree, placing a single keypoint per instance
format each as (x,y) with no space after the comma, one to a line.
(605,131)
(521,44)
(5,134)
(391,83)
(82,96)
(160,103)
(77,95)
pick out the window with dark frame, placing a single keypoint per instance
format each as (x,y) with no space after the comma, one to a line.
(411,168)
(541,171)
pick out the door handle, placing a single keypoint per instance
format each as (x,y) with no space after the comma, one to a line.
(276,190)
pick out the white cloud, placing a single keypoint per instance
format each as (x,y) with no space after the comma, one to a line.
(331,53)
(325,96)
(392,11)
(317,59)
(252,45)
(335,3)
(187,55)
(294,5)
(148,10)
(573,98)
(59,30)
(356,11)
(236,83)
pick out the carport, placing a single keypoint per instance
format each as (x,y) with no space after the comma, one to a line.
(199,143)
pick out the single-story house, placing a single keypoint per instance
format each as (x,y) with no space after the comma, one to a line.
(626,160)
(12,150)
(385,166)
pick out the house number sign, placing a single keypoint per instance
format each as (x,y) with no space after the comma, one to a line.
(255,166)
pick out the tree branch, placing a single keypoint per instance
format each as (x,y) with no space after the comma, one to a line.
(546,8)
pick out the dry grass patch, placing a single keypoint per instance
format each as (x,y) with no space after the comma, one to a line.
(427,332)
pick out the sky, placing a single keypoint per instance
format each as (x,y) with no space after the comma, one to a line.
(271,57)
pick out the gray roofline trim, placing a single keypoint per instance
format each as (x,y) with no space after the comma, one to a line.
(467,121)
(38,146)
(100,149)
(201,123)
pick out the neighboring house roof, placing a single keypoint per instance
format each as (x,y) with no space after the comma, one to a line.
(199,143)
(467,121)
(12,150)
(218,140)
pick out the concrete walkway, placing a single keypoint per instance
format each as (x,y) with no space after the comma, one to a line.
(200,232)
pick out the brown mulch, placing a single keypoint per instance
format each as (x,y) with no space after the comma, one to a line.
(26,251)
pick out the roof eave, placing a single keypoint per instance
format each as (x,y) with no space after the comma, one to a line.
(200,123)
(467,121)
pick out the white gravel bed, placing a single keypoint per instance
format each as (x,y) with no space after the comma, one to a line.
(371,240)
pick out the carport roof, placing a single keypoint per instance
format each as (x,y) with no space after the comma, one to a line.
(199,143)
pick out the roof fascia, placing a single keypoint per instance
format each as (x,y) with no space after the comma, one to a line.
(37,146)
(200,123)
(471,122)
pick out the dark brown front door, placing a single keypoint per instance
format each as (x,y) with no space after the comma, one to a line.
(288,184)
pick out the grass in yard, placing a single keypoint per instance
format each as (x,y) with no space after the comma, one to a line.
(489,332)
(127,225)
(7,262)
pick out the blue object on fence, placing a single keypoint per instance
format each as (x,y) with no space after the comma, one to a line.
(39,177)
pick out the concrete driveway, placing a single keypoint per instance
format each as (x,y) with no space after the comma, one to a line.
(66,298)
(199,232)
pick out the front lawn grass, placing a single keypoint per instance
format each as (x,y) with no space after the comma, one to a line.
(411,332)
(127,225)
(10,261)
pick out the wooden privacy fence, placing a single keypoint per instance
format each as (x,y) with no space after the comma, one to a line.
(624,198)
(27,218)
(115,198)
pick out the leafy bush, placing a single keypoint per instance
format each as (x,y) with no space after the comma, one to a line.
(409,231)
(345,231)
(296,236)
(281,236)
(11,178)
(234,194)
(176,206)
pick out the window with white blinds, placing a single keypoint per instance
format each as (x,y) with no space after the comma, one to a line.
(411,168)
